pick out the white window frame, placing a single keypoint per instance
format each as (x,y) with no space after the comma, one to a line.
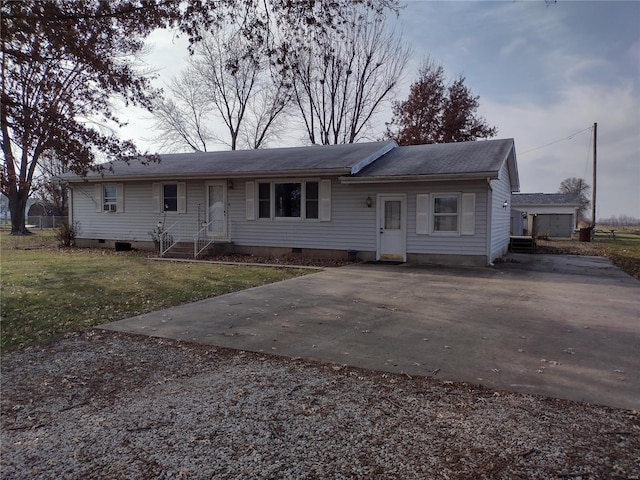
(434,215)
(106,204)
(253,199)
(425,214)
(157,197)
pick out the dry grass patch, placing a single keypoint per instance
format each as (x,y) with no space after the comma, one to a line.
(48,292)
(623,251)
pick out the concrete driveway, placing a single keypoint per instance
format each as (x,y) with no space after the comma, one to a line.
(561,326)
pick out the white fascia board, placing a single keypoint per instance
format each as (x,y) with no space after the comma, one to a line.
(208,176)
(420,178)
(373,157)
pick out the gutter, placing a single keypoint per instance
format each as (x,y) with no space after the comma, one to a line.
(419,178)
(207,176)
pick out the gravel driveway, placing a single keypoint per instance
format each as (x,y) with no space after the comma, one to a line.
(110,405)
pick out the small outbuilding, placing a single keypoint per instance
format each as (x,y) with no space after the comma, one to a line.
(554,215)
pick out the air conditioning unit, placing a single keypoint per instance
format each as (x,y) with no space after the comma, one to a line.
(110,207)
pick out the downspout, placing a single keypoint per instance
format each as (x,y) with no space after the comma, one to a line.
(489,221)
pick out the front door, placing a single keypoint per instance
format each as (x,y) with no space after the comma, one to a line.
(217,209)
(392,224)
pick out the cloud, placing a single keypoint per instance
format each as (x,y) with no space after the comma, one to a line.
(533,125)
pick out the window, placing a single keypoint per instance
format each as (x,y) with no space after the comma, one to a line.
(288,197)
(109,198)
(299,200)
(264,200)
(445,213)
(170,197)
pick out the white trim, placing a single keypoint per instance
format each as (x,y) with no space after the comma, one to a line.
(467,214)
(380,198)
(250,200)
(225,225)
(423,214)
(432,210)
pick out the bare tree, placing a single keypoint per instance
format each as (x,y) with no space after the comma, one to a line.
(341,83)
(52,193)
(227,81)
(183,119)
(579,188)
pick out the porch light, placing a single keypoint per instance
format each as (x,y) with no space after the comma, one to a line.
(159,225)
(230,184)
(369,202)
(505,204)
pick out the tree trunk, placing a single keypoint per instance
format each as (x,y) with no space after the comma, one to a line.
(17,208)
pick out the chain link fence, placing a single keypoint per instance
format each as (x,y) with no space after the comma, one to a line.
(46,221)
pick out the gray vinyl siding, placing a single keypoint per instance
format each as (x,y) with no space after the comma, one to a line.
(138,219)
(352,225)
(500,216)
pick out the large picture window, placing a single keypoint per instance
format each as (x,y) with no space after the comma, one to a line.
(296,200)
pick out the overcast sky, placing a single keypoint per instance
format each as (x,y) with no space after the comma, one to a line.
(543,73)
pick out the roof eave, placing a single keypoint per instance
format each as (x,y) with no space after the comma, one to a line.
(208,176)
(419,178)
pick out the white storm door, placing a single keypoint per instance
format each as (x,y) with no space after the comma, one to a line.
(217,209)
(392,227)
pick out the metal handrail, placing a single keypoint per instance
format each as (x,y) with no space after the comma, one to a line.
(168,238)
(200,241)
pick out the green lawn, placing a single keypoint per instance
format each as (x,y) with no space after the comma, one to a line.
(47,292)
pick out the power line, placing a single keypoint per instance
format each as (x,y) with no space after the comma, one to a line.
(557,141)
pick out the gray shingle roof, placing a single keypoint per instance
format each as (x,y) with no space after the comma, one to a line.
(520,199)
(441,159)
(354,162)
(346,159)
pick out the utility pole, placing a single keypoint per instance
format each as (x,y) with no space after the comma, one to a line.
(595,159)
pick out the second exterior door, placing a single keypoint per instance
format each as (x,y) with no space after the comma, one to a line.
(392,227)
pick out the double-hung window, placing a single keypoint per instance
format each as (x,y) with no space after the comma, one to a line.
(445,214)
(169,197)
(109,197)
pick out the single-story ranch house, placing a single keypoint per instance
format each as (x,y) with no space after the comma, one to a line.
(442,203)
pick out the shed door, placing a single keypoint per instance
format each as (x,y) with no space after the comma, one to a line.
(217,209)
(392,226)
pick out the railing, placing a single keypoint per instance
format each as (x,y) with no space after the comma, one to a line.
(201,241)
(169,237)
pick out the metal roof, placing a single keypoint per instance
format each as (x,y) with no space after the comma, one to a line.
(522,199)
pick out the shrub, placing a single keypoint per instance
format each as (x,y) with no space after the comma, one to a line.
(66,234)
